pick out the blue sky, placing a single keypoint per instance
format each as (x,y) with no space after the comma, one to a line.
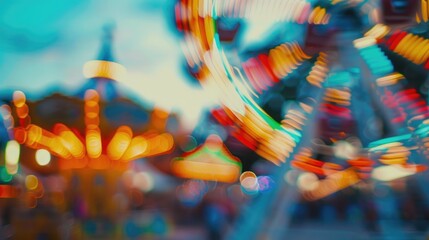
(45,44)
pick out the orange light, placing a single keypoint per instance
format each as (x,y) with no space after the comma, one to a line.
(249,181)
(92,109)
(159,119)
(41,138)
(34,134)
(20,135)
(138,147)
(318,16)
(208,162)
(19,99)
(160,144)
(104,69)
(286,57)
(22,111)
(389,79)
(31,182)
(102,162)
(206,171)
(378,31)
(92,123)
(91,95)
(332,183)
(57,148)
(120,142)
(69,140)
(319,71)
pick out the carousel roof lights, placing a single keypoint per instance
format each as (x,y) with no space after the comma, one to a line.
(96,128)
(105,66)
(68,144)
(104,69)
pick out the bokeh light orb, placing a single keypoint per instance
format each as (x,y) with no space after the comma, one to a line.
(43,157)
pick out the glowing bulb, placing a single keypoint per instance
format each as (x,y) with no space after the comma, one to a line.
(12,156)
(43,157)
(104,69)
(22,111)
(143,181)
(120,142)
(19,99)
(137,148)
(308,181)
(249,182)
(70,141)
(93,143)
(91,95)
(31,182)
(344,150)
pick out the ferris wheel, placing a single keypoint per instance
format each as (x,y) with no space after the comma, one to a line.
(331,88)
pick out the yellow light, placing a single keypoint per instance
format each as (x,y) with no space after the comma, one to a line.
(389,79)
(364,42)
(333,183)
(206,171)
(137,147)
(208,162)
(392,172)
(12,152)
(40,138)
(424,10)
(54,145)
(159,144)
(43,157)
(378,31)
(286,57)
(119,143)
(319,71)
(70,141)
(318,16)
(104,69)
(414,48)
(18,99)
(31,182)
(93,143)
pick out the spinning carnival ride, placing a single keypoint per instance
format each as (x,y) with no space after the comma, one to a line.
(331,88)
